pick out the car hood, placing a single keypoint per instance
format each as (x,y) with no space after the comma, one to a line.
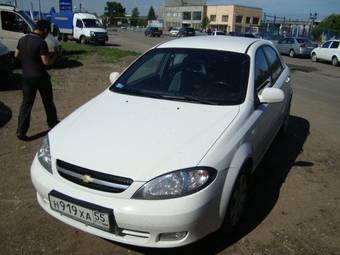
(138,137)
(97,29)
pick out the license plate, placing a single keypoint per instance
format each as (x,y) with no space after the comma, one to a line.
(89,214)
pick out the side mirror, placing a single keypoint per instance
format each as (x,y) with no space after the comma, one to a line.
(271,95)
(113,77)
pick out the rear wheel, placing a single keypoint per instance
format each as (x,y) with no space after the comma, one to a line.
(314,57)
(335,61)
(292,53)
(237,203)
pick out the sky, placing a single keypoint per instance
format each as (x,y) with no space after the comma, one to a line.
(295,9)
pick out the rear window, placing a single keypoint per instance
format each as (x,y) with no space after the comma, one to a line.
(335,45)
(305,41)
(192,75)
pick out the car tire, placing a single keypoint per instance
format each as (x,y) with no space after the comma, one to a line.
(82,40)
(292,53)
(335,61)
(314,57)
(237,203)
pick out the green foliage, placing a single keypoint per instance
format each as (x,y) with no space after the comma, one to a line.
(114,10)
(134,17)
(331,24)
(205,22)
(76,51)
(151,14)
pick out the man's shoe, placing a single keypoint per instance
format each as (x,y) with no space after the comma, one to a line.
(54,124)
(22,137)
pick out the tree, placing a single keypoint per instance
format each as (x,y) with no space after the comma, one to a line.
(134,16)
(151,14)
(330,25)
(205,22)
(114,11)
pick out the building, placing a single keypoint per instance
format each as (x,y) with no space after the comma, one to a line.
(193,13)
(181,13)
(234,18)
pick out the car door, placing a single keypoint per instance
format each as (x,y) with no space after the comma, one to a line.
(322,54)
(13,27)
(332,51)
(261,113)
(269,72)
(78,29)
(281,45)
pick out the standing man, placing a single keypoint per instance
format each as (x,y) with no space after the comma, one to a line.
(32,51)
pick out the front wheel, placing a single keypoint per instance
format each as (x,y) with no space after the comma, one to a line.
(335,61)
(314,57)
(237,204)
(82,40)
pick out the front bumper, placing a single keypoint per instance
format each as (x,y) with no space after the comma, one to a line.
(98,39)
(140,222)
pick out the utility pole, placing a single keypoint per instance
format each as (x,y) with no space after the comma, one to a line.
(39,9)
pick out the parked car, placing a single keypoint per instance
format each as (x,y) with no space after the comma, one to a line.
(174,31)
(5,62)
(295,46)
(248,35)
(165,155)
(186,31)
(214,33)
(329,51)
(153,32)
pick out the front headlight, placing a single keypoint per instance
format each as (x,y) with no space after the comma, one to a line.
(44,155)
(92,33)
(176,184)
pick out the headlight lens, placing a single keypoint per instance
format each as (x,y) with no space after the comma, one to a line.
(176,184)
(44,155)
(92,33)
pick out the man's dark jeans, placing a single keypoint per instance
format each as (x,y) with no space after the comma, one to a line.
(30,88)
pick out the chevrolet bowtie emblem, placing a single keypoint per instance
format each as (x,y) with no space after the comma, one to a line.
(86,178)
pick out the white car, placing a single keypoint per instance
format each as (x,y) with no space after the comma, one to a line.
(329,51)
(215,33)
(163,157)
(174,31)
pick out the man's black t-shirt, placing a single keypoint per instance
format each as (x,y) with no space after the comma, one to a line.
(31,47)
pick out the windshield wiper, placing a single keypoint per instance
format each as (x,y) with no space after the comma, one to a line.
(188,98)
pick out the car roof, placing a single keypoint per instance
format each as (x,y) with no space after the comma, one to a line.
(225,43)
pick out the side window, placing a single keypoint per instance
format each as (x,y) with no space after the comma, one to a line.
(12,22)
(79,23)
(261,69)
(275,65)
(335,45)
(291,41)
(326,44)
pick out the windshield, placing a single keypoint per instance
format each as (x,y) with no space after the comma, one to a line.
(92,23)
(192,75)
(27,19)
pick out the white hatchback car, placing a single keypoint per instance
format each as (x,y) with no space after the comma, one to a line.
(329,51)
(163,157)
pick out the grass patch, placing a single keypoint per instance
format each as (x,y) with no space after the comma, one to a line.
(75,51)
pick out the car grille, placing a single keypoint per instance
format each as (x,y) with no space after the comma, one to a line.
(100,34)
(92,179)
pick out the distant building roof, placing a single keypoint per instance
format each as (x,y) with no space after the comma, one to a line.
(174,3)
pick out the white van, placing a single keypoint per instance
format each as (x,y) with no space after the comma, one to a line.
(14,24)
(83,27)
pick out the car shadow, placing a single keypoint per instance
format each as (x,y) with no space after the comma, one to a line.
(268,179)
(66,62)
(12,82)
(5,114)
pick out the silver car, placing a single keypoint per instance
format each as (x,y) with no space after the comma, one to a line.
(294,46)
